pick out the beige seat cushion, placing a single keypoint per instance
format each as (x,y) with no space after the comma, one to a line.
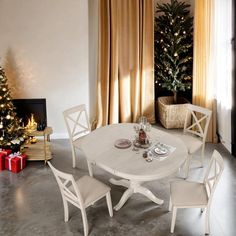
(187,193)
(192,143)
(91,189)
(78,142)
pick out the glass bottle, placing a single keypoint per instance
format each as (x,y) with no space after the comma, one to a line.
(142,136)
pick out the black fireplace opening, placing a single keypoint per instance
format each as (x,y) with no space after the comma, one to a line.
(25,108)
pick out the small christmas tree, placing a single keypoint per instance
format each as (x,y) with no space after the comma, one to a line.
(173,47)
(10,130)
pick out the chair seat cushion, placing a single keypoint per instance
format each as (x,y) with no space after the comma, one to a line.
(78,142)
(192,143)
(187,193)
(91,189)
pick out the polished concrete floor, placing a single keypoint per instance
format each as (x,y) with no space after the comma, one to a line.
(31,204)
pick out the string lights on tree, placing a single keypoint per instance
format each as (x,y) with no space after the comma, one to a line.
(11,133)
(173,46)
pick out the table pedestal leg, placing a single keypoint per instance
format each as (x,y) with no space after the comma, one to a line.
(133,187)
(121,182)
(146,192)
(126,195)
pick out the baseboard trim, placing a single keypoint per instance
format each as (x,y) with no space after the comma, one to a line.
(234,149)
(59,136)
(226,144)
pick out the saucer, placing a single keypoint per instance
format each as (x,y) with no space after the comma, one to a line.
(123,143)
(160,151)
(137,144)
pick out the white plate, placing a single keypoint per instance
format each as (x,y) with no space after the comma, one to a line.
(161,151)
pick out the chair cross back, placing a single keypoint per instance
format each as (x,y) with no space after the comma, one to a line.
(70,196)
(77,122)
(195,126)
(213,173)
(65,181)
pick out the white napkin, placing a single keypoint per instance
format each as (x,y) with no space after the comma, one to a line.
(161,151)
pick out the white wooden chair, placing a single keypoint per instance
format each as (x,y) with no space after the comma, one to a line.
(195,132)
(77,123)
(81,193)
(186,194)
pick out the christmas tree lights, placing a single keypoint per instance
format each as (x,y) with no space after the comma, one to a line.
(11,133)
(173,47)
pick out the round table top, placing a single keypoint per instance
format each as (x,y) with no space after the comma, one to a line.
(100,150)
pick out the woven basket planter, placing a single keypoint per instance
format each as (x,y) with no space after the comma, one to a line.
(172,115)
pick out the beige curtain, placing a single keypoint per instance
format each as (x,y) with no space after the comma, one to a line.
(125,61)
(203,79)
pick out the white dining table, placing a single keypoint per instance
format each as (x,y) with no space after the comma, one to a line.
(129,164)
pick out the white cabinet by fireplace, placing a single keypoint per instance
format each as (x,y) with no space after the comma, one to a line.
(40,150)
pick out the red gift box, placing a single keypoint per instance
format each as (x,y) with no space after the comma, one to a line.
(5,151)
(15,162)
(3,154)
(2,161)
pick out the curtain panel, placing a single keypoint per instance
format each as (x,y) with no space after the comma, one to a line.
(125,61)
(203,62)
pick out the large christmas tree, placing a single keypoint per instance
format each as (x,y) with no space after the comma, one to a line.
(10,130)
(173,46)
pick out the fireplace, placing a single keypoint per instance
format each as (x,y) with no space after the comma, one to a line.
(28,109)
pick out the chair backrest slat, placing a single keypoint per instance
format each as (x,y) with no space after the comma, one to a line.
(67,186)
(197,121)
(77,122)
(213,173)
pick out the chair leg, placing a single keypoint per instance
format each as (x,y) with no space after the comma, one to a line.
(202,155)
(187,165)
(90,169)
(207,225)
(109,203)
(66,210)
(170,205)
(85,222)
(174,213)
(73,155)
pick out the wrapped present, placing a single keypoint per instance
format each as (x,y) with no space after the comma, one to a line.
(2,161)
(5,151)
(3,154)
(15,162)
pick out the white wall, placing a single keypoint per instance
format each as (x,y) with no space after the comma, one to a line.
(44,48)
